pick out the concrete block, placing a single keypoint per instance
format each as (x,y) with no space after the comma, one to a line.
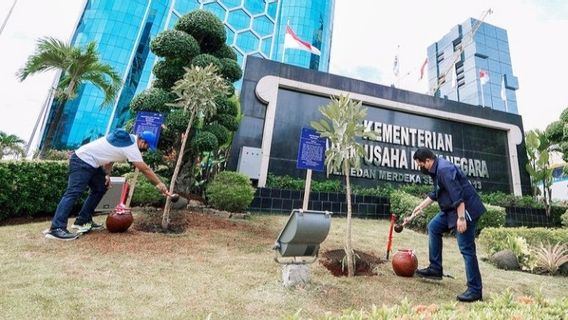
(295,274)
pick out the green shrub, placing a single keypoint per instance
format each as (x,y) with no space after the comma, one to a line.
(170,70)
(31,188)
(291,183)
(225,52)
(402,204)
(510,200)
(204,59)
(204,141)
(175,44)
(120,169)
(220,132)
(494,238)
(205,27)
(494,217)
(564,219)
(230,69)
(379,191)
(145,193)
(153,99)
(228,121)
(230,191)
(417,190)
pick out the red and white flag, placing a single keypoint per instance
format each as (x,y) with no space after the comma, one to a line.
(423,68)
(291,40)
(483,76)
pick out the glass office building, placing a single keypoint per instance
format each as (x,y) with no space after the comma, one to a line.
(123,31)
(456,61)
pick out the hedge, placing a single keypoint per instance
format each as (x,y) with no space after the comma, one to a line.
(31,188)
(494,237)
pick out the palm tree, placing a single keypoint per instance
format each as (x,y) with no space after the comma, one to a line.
(196,92)
(539,168)
(10,145)
(345,124)
(77,66)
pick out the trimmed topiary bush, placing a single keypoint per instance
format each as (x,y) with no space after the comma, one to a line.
(225,52)
(170,70)
(175,44)
(220,132)
(230,191)
(230,69)
(204,141)
(228,121)
(203,60)
(152,99)
(205,27)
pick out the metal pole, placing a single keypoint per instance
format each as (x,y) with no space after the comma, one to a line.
(7,17)
(307,189)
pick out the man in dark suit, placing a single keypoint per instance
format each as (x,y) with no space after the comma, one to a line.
(460,208)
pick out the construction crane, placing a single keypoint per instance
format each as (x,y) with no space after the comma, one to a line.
(468,39)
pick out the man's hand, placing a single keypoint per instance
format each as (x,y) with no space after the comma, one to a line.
(163,189)
(108,185)
(461,225)
(409,218)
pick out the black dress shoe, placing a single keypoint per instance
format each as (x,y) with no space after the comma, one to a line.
(429,273)
(470,296)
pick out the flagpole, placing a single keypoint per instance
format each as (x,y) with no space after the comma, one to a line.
(284,50)
(482,95)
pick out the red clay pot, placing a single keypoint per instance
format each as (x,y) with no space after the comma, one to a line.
(119,220)
(404,262)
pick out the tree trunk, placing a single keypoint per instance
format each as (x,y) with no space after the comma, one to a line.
(166,215)
(52,129)
(348,247)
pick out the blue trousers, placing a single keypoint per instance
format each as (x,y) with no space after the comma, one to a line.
(81,176)
(466,243)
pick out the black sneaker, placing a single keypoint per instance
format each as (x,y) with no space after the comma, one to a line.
(61,234)
(429,273)
(470,296)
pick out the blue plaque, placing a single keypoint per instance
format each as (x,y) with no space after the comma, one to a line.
(149,121)
(311,152)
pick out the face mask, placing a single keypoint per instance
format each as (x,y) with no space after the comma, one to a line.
(424,170)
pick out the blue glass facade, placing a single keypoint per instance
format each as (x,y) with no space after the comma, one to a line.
(124,29)
(487,50)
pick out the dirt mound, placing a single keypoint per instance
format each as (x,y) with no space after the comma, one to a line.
(365,263)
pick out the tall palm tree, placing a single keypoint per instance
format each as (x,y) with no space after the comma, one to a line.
(196,93)
(77,66)
(345,118)
(10,144)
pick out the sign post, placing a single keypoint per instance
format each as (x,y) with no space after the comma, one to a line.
(145,121)
(311,156)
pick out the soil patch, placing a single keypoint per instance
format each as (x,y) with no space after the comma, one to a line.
(365,263)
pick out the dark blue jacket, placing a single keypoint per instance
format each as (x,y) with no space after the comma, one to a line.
(451,187)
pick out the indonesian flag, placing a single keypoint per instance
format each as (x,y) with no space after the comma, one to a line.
(483,76)
(292,41)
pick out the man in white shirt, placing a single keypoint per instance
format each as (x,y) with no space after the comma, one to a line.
(90,166)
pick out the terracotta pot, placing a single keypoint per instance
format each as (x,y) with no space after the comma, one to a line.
(119,220)
(404,262)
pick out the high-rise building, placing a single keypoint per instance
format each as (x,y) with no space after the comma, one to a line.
(472,64)
(123,31)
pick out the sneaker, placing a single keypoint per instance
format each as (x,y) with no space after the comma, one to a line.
(86,227)
(428,273)
(61,234)
(470,296)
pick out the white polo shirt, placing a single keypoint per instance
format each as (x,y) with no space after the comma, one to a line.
(101,152)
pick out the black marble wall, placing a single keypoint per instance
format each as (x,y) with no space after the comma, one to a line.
(296,109)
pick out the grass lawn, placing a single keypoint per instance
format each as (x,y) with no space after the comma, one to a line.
(220,268)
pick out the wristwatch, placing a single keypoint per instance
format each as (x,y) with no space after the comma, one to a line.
(461,218)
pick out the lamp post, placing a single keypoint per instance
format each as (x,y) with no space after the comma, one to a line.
(7,17)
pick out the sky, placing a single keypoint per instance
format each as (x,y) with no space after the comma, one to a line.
(366,34)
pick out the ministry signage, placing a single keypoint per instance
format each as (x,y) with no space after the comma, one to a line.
(279,100)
